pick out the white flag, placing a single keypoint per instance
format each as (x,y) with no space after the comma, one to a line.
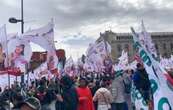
(19,53)
(123,60)
(88,66)
(3,46)
(146,41)
(69,66)
(162,93)
(43,36)
(101,48)
(91,50)
(96,54)
(69,62)
(3,37)
(137,99)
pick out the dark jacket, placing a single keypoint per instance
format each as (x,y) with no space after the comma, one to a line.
(141,80)
(69,94)
(142,83)
(70,98)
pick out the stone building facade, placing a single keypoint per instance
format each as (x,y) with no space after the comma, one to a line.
(123,41)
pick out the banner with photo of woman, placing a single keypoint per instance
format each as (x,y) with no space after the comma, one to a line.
(2,58)
(19,54)
(52,61)
(3,47)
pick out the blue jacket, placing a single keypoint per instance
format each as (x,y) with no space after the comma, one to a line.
(141,80)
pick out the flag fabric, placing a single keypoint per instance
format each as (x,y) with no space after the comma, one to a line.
(137,58)
(52,62)
(69,66)
(146,40)
(43,36)
(123,61)
(88,67)
(162,93)
(19,53)
(91,50)
(137,99)
(69,62)
(3,47)
(13,45)
(167,63)
(4,53)
(103,48)
(3,37)
(172,58)
(96,55)
(40,71)
(11,36)
(133,64)
(99,48)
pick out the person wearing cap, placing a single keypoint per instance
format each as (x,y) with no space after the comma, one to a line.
(31,103)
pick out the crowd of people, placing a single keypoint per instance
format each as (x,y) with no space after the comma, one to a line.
(89,91)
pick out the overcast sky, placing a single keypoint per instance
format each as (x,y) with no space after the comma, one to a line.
(79,22)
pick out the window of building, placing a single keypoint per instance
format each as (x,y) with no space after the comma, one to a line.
(126,47)
(118,38)
(165,55)
(156,46)
(171,46)
(164,46)
(119,48)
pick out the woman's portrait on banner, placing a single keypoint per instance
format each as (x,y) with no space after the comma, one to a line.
(19,54)
(2,58)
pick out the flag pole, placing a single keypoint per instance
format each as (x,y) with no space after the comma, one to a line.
(22,31)
(6,52)
(7,63)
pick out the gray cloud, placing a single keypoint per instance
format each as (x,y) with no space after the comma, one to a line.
(78,40)
(71,15)
(98,11)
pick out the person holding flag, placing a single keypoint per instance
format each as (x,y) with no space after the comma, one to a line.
(142,83)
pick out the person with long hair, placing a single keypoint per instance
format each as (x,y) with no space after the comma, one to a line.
(17,57)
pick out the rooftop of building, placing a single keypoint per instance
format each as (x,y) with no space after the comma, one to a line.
(129,34)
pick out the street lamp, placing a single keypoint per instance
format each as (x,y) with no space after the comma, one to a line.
(14,20)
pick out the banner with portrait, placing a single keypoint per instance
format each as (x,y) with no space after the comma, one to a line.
(19,54)
(3,47)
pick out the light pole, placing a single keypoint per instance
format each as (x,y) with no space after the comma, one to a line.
(21,20)
(14,20)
